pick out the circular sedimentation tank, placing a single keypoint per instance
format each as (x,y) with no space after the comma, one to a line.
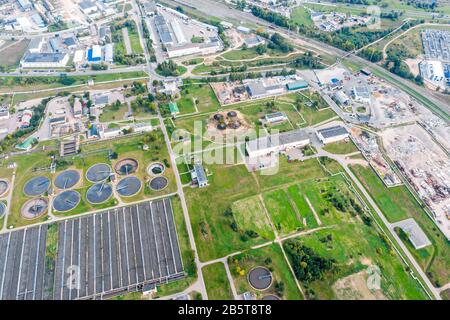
(99,193)
(4,186)
(260,278)
(128,186)
(156,169)
(67,179)
(36,186)
(98,172)
(66,201)
(126,166)
(34,208)
(271,297)
(158,183)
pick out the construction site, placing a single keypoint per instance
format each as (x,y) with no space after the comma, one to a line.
(426,167)
(368,144)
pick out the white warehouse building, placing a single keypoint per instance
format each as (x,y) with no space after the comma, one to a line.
(273,144)
(45,60)
(332,134)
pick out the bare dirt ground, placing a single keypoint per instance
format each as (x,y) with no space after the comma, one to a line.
(354,287)
(413,65)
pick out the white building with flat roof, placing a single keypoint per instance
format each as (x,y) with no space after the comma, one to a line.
(332,134)
(273,144)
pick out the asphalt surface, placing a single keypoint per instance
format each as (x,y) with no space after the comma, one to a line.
(97,256)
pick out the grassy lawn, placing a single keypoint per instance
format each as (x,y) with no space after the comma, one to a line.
(133,35)
(216,282)
(203,94)
(241,264)
(301,16)
(397,204)
(298,197)
(290,173)
(111,114)
(341,147)
(249,214)
(48,82)
(249,53)
(283,214)
(186,105)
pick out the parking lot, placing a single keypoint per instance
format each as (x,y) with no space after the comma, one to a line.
(97,256)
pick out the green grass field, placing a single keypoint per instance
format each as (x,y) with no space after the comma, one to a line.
(133,35)
(341,147)
(298,197)
(249,214)
(301,16)
(110,114)
(203,94)
(216,282)
(283,215)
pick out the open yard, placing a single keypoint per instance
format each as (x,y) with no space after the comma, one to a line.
(203,96)
(284,216)
(216,282)
(341,147)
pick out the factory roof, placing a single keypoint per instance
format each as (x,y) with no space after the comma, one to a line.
(332,131)
(103,99)
(70,41)
(87,4)
(256,88)
(44,57)
(35,43)
(163,29)
(275,115)
(200,173)
(416,235)
(281,139)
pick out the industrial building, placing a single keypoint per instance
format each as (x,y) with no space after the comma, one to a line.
(163,30)
(198,176)
(332,134)
(434,72)
(94,54)
(35,45)
(254,41)
(273,144)
(88,7)
(275,117)
(44,60)
(416,236)
(150,8)
(361,94)
(25,5)
(109,53)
